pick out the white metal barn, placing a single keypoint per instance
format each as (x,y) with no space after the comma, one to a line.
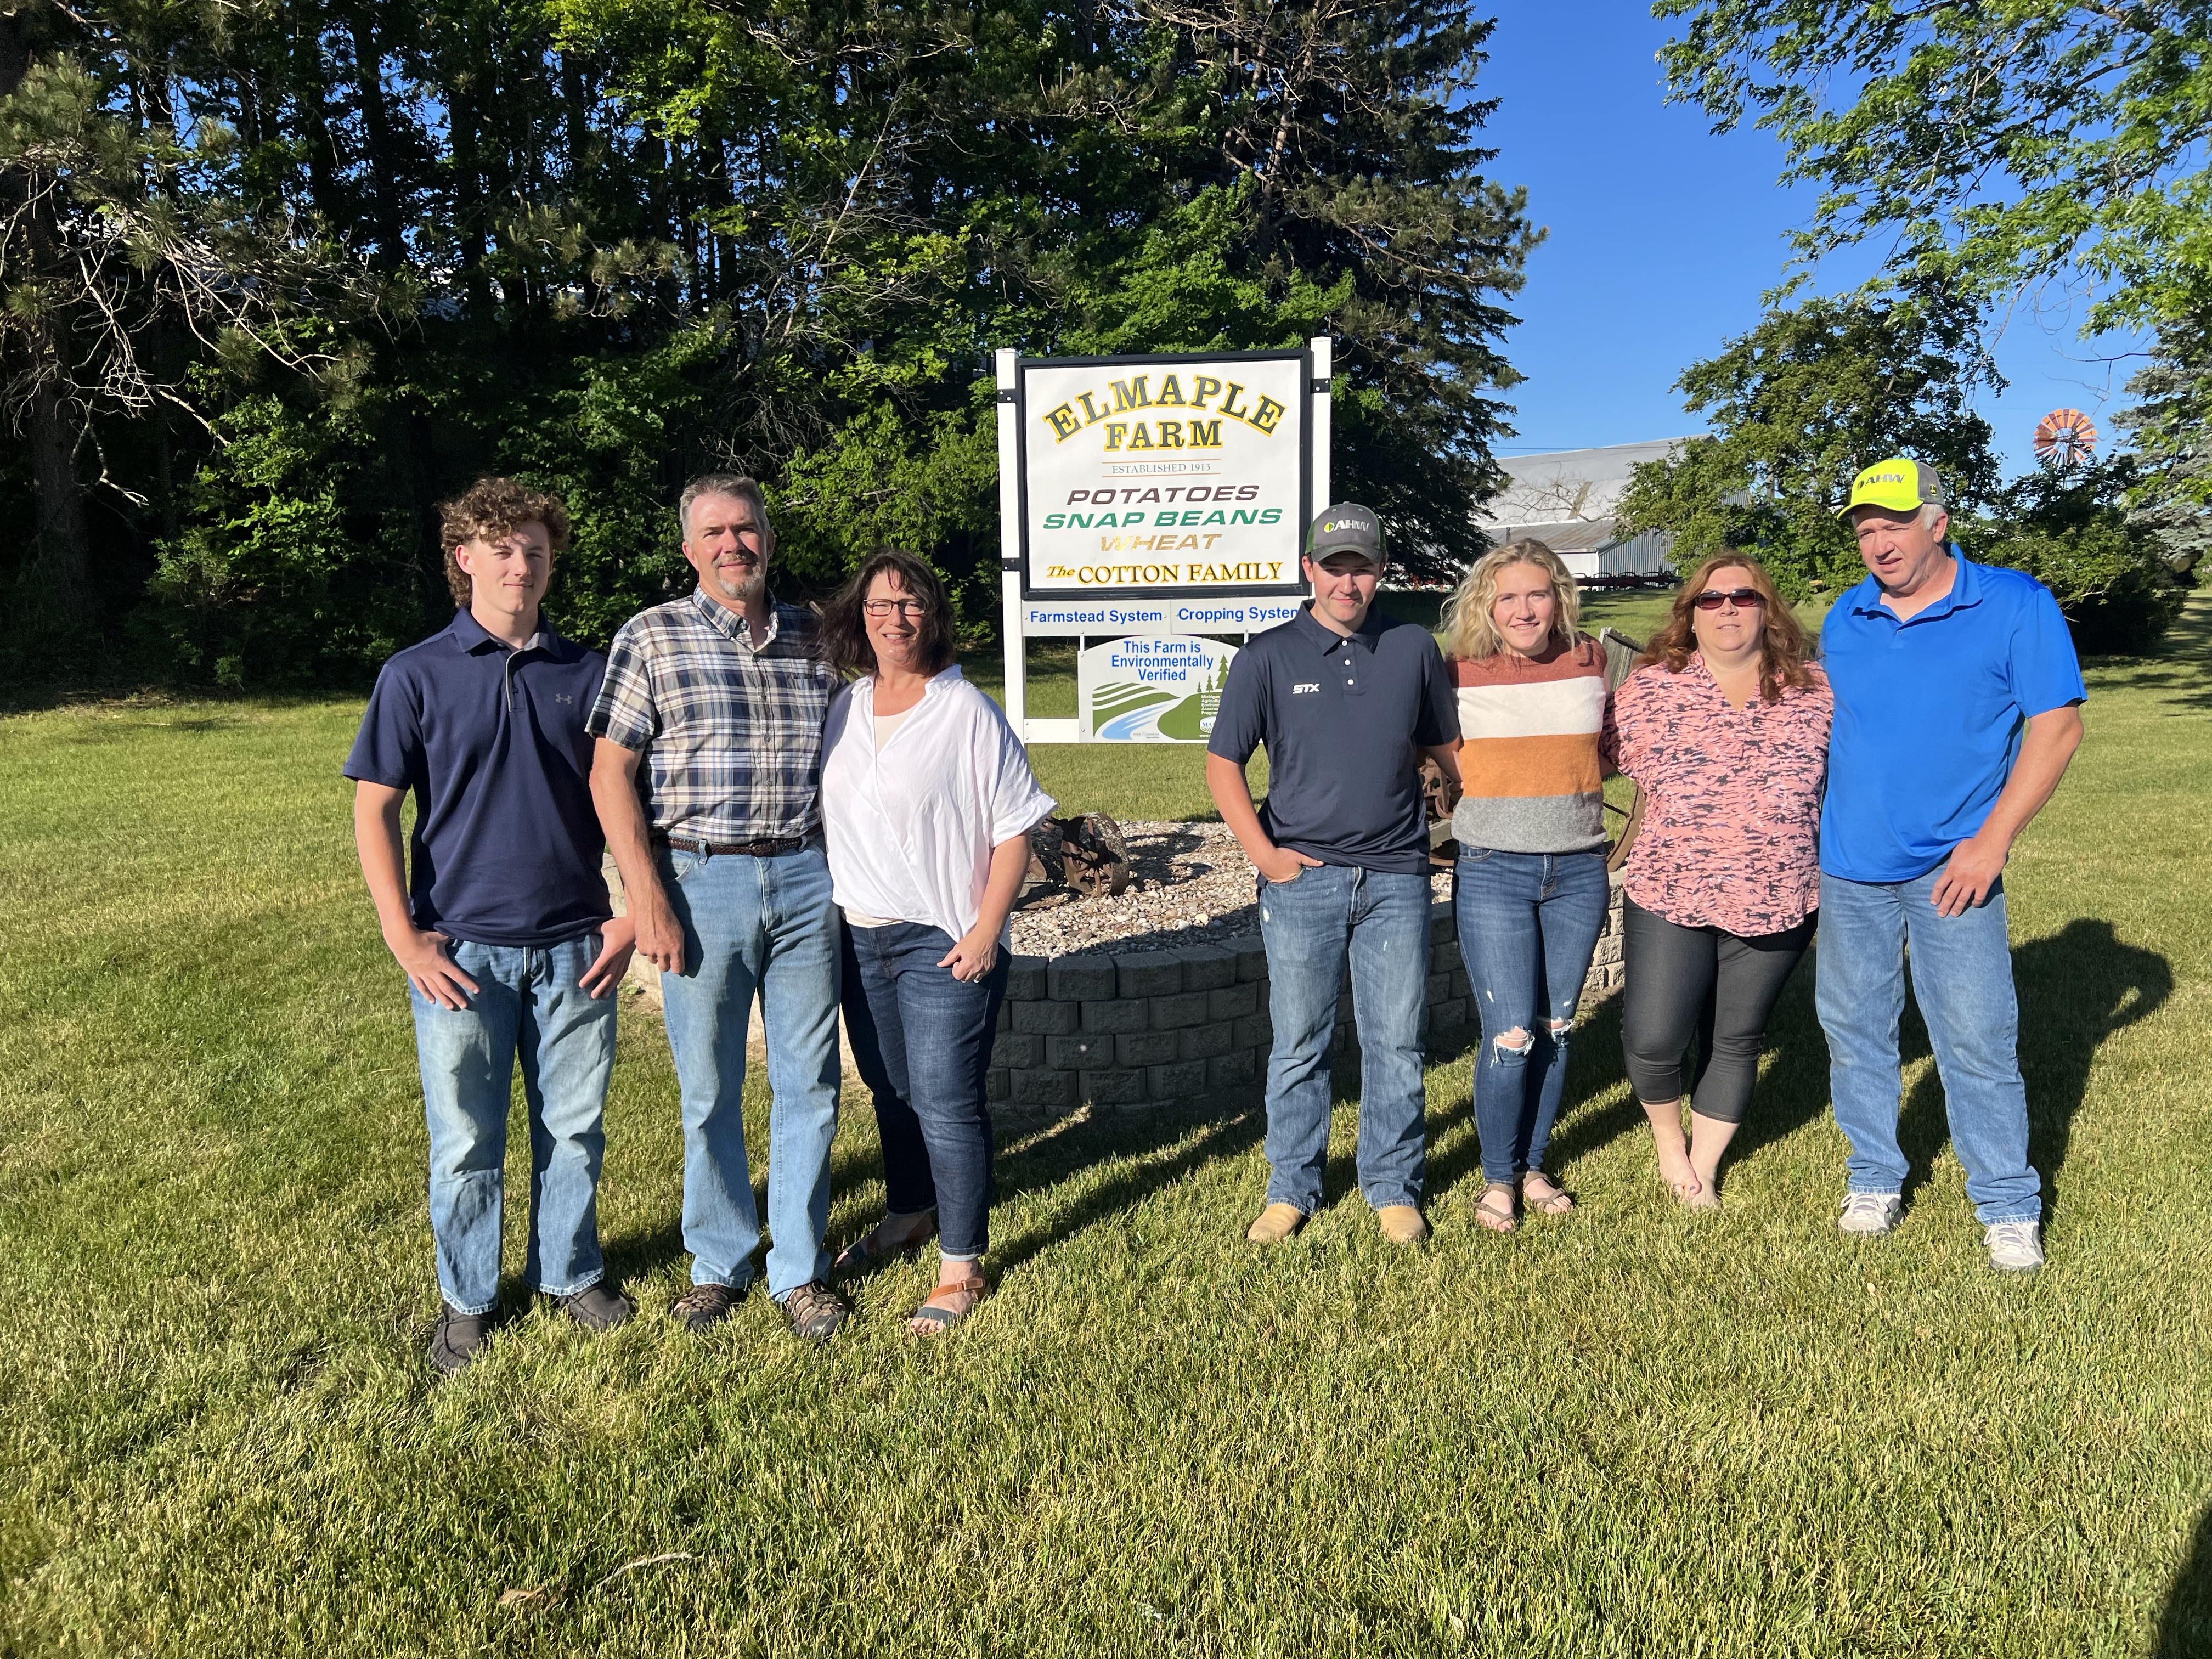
(1565,499)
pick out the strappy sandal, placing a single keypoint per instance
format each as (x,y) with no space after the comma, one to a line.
(1553,1199)
(1496,1219)
(944,1319)
(867,1252)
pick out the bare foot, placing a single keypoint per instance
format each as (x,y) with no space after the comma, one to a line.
(1678,1173)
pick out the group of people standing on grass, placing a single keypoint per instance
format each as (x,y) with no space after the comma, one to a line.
(1876,792)
(813,810)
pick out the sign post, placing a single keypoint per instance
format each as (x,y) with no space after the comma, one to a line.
(1010,544)
(1159,497)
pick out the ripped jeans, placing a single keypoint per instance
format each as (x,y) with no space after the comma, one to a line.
(1527,924)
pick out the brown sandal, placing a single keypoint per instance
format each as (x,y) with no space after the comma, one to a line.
(1498,1220)
(945,1319)
(1555,1199)
(869,1252)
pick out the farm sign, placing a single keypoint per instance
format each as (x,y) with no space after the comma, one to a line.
(1163,474)
(1147,507)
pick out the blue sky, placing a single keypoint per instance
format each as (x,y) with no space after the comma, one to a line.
(1663,237)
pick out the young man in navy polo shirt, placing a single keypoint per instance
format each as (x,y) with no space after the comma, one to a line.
(1347,702)
(502,924)
(1957,710)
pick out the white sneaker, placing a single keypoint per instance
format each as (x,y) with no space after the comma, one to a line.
(2015,1247)
(1870,1214)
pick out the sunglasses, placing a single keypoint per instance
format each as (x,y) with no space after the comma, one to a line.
(1741,597)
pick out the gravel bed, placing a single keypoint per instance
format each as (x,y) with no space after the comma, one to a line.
(1190,883)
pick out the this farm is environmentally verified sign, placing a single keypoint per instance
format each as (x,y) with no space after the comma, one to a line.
(1164,475)
(1152,691)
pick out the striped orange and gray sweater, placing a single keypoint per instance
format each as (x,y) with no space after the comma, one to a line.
(1528,729)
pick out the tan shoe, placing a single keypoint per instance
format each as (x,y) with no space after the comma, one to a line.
(1276,1223)
(1401,1224)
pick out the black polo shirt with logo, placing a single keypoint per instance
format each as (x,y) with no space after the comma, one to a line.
(1340,718)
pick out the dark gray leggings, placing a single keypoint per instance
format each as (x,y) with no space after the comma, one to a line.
(1703,983)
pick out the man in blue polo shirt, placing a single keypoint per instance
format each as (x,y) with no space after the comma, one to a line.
(1957,710)
(1346,700)
(502,924)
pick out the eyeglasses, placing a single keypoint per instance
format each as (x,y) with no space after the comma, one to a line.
(1741,597)
(904,607)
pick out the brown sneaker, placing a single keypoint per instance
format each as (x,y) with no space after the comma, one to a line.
(816,1312)
(705,1305)
(1276,1223)
(1401,1224)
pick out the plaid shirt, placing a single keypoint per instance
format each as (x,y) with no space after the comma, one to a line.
(732,732)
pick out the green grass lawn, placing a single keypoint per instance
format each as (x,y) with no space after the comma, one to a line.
(1632,1431)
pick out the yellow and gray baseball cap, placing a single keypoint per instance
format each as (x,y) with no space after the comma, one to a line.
(1899,483)
(1347,527)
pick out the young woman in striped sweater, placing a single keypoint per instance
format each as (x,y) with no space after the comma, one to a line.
(1531,833)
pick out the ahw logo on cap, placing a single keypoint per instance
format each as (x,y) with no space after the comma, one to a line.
(1346,527)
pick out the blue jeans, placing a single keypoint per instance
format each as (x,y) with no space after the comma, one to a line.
(764,924)
(1310,924)
(923,1041)
(1528,925)
(526,1001)
(1962,979)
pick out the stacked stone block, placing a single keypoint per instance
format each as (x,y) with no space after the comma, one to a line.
(1143,1028)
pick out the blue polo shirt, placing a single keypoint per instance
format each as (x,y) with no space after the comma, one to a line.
(507,846)
(1929,714)
(1340,718)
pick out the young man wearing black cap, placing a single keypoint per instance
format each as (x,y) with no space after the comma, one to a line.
(1347,702)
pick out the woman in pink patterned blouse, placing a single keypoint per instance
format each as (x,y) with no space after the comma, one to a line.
(1725,727)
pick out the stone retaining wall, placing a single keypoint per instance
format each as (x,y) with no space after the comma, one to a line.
(1139,1027)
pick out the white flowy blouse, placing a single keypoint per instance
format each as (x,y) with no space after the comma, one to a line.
(909,828)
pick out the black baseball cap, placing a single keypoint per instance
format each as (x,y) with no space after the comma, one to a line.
(1347,527)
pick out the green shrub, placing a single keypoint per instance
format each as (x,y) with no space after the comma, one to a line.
(2071,532)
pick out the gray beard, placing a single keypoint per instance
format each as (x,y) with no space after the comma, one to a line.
(741,593)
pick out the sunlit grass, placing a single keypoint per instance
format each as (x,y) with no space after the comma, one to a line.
(1634,1431)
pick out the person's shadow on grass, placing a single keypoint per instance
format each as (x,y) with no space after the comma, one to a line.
(2185,1625)
(2076,988)
(1148,1150)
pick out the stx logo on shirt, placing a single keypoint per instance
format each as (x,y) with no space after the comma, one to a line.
(1304,686)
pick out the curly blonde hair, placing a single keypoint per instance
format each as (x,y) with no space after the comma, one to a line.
(1466,625)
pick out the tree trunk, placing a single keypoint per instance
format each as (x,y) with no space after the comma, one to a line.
(469,210)
(58,578)
(376,122)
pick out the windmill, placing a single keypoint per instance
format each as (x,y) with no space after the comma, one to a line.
(2065,439)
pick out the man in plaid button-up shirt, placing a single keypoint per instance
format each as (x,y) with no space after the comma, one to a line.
(708,778)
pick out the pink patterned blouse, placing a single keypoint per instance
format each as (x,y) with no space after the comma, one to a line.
(1732,812)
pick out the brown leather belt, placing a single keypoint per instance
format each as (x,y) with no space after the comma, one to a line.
(767,846)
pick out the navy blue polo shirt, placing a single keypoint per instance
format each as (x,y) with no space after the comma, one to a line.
(1929,714)
(1340,718)
(507,845)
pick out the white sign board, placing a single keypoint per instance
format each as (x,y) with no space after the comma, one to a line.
(1152,691)
(1225,613)
(1163,474)
(1161,497)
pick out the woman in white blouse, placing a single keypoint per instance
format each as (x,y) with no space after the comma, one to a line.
(927,800)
